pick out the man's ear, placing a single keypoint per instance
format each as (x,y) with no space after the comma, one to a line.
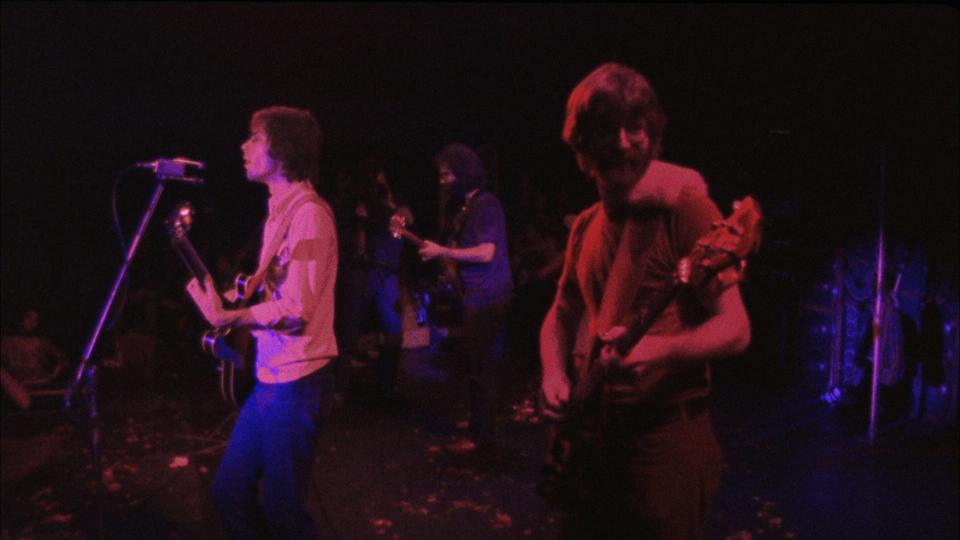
(585,163)
(645,141)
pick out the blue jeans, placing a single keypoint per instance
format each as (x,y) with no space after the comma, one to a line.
(363,291)
(366,290)
(275,438)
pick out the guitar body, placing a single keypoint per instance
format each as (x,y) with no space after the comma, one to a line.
(237,354)
(571,438)
(234,347)
(445,294)
(717,260)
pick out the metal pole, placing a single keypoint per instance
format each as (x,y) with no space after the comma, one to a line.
(131,250)
(838,310)
(878,304)
(87,371)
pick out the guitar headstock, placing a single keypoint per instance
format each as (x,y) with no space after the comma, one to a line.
(179,221)
(726,246)
(398,224)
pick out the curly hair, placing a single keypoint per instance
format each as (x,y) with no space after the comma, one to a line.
(610,97)
(295,139)
(465,164)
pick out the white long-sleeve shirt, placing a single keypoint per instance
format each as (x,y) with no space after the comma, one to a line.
(297,337)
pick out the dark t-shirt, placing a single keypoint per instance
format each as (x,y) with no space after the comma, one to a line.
(383,249)
(615,268)
(486,283)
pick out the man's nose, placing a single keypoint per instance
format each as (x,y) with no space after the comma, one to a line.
(624,139)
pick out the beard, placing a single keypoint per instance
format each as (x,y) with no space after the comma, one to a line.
(450,201)
(449,194)
(617,175)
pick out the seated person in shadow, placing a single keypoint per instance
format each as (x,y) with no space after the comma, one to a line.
(30,360)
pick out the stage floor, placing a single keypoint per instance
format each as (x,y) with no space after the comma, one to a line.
(795,467)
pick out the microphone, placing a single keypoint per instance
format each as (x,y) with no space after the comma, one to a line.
(174,169)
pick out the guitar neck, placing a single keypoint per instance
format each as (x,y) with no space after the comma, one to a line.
(640,327)
(630,337)
(410,237)
(191,259)
(593,378)
(659,303)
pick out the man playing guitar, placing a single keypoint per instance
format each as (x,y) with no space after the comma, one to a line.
(484,269)
(370,280)
(276,432)
(655,464)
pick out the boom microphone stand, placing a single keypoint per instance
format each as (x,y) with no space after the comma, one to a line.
(86,374)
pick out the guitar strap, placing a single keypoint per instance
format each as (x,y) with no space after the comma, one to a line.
(287,209)
(461,217)
(450,267)
(629,264)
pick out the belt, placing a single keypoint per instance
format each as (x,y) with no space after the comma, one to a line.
(648,416)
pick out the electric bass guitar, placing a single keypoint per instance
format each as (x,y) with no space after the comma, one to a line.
(717,259)
(233,347)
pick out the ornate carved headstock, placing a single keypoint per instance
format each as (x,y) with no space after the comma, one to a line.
(722,252)
(179,221)
(398,224)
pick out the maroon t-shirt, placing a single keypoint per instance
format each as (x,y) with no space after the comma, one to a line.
(616,266)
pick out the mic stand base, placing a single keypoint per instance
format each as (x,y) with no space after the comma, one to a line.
(93,415)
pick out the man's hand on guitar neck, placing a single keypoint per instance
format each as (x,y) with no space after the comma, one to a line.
(208,301)
(624,370)
(640,356)
(725,334)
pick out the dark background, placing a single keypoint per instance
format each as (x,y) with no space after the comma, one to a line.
(811,108)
